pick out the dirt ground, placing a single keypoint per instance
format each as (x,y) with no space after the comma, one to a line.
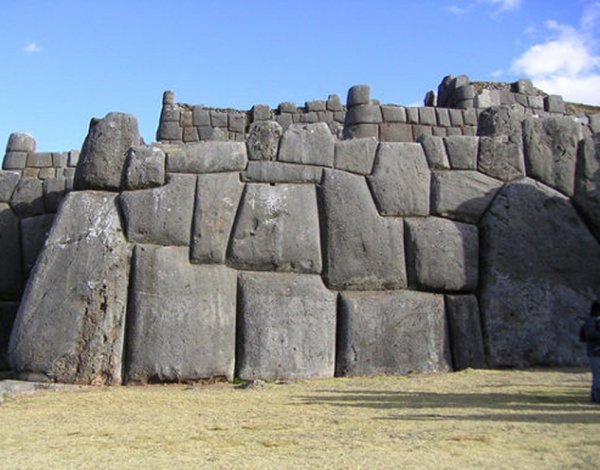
(471,419)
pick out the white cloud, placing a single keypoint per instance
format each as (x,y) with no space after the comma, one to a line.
(504,5)
(32,48)
(497,73)
(456,10)
(566,64)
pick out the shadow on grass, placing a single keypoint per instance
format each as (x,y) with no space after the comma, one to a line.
(562,406)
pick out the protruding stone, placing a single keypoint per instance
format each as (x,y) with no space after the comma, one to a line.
(21,142)
(500,158)
(435,152)
(358,94)
(466,339)
(286,327)
(363,114)
(145,168)
(34,232)
(554,104)
(442,255)
(356,155)
(71,321)
(28,197)
(392,333)
(525,87)
(217,199)
(311,144)
(11,272)
(462,152)
(261,112)
(181,318)
(168,97)
(537,281)
(104,152)
(400,179)
(334,103)
(363,250)
(263,140)
(160,216)
(208,157)
(277,229)
(8,183)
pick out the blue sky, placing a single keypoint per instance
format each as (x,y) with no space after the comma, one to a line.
(64,62)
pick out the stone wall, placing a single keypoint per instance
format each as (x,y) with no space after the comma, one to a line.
(296,253)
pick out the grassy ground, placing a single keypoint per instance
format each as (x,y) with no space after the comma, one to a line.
(471,419)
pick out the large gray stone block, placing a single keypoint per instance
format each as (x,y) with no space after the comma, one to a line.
(161,216)
(501,158)
(217,199)
(391,333)
(551,151)
(280,172)
(181,318)
(286,327)
(27,199)
(277,229)
(537,281)
(145,168)
(34,232)
(587,184)
(104,152)
(462,195)
(464,325)
(401,179)
(20,142)
(356,155)
(8,312)
(462,151)
(500,121)
(263,140)
(11,272)
(8,183)
(358,94)
(442,255)
(435,152)
(54,191)
(362,249)
(70,324)
(208,157)
(14,160)
(311,144)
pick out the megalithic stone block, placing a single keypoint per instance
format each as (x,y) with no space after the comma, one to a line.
(392,333)
(11,272)
(286,327)
(311,144)
(466,339)
(8,312)
(70,324)
(181,318)
(34,231)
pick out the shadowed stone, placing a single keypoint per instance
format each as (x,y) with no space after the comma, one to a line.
(587,184)
(464,325)
(27,199)
(391,333)
(11,273)
(181,318)
(311,144)
(286,327)
(435,152)
(8,183)
(34,231)
(8,312)
(70,324)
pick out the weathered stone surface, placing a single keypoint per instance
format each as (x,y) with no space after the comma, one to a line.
(427,116)
(20,142)
(145,168)
(212,134)
(364,114)
(54,191)
(554,104)
(70,324)
(435,152)
(356,155)
(28,197)
(464,325)
(277,229)
(263,140)
(462,195)
(39,160)
(500,158)
(104,152)
(8,183)
(334,103)
(286,327)
(362,131)
(587,184)
(14,160)
(395,132)
(500,121)
(400,179)
(11,273)
(551,151)
(34,231)
(208,157)
(280,172)
(393,113)
(358,94)
(363,250)
(311,144)
(441,254)
(391,333)
(160,216)
(181,318)
(8,312)
(261,112)
(537,281)
(217,199)
(462,151)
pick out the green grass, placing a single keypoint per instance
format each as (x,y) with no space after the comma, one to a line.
(472,419)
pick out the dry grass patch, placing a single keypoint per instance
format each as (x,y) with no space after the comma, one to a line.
(496,419)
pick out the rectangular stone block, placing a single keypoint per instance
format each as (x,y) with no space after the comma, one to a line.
(443,117)
(8,183)
(73,158)
(34,232)
(237,122)
(280,172)
(393,113)
(412,115)
(466,338)
(427,116)
(186,118)
(46,173)
(462,152)
(218,119)
(419,131)
(54,191)
(59,159)
(396,132)
(208,157)
(361,131)
(169,131)
(316,105)
(364,114)
(190,134)
(311,144)
(286,327)
(456,117)
(200,116)
(14,160)
(355,155)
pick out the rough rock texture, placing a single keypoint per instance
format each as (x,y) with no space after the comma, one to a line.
(279,172)
(464,325)
(462,151)
(11,272)
(500,158)
(551,151)
(435,152)
(362,249)
(217,199)
(145,168)
(286,327)
(263,140)
(441,254)
(277,229)
(104,152)
(391,333)
(28,197)
(8,312)
(311,144)
(161,216)
(537,281)
(356,155)
(462,195)
(8,183)
(34,231)
(181,318)
(54,192)
(70,324)
(208,157)
(587,185)
(400,179)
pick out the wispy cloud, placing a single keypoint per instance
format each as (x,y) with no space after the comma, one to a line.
(566,63)
(501,6)
(32,48)
(456,10)
(497,73)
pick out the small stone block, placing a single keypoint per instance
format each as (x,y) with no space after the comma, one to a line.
(427,116)
(186,119)
(261,112)
(39,160)
(443,117)
(237,122)
(358,94)
(218,119)
(14,160)
(456,117)
(334,103)
(20,142)
(393,113)
(316,105)
(412,115)
(200,116)
(73,158)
